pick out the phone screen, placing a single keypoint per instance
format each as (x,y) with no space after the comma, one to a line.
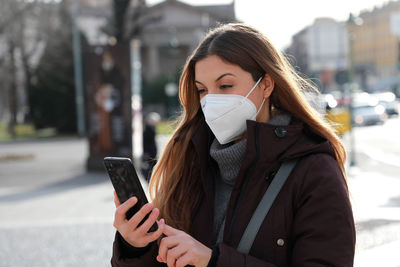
(123,179)
(126,184)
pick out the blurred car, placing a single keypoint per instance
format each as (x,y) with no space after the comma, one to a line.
(369,115)
(388,100)
(366,110)
(336,98)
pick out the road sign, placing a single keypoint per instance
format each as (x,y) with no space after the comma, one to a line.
(340,119)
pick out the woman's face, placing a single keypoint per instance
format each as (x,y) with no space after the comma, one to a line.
(215,76)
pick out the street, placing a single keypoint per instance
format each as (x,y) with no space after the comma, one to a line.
(53,213)
(374,187)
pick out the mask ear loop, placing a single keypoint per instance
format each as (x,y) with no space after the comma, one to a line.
(262,104)
(254,87)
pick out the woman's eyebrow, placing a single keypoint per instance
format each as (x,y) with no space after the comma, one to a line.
(219,78)
(198,82)
(223,75)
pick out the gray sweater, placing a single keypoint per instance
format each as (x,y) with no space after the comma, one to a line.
(229,159)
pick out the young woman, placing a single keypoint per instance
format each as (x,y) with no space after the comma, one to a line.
(244,115)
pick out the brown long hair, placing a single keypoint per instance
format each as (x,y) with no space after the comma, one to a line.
(175,185)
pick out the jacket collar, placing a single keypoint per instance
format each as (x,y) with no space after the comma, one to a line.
(270,143)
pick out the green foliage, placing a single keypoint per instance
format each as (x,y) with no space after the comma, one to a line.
(153,92)
(25,131)
(166,127)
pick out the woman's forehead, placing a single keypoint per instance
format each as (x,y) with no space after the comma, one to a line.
(215,66)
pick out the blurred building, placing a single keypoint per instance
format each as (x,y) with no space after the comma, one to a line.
(375,48)
(321,51)
(327,45)
(298,52)
(168,39)
(167,42)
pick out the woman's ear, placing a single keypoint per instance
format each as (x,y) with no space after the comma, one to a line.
(268,85)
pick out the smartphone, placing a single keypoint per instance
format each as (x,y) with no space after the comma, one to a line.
(126,183)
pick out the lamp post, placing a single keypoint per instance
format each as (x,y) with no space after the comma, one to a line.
(136,94)
(80,104)
(352,20)
(171,90)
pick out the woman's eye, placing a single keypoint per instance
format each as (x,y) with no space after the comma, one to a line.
(224,86)
(201,91)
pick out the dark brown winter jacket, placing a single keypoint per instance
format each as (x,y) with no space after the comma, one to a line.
(309,224)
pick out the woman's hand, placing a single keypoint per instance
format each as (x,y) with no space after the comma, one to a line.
(179,249)
(135,235)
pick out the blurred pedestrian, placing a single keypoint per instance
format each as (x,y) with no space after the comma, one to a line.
(108,99)
(149,158)
(244,117)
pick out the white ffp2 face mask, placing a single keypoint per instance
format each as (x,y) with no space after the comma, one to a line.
(226,114)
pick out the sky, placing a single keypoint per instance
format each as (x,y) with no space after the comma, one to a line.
(279,20)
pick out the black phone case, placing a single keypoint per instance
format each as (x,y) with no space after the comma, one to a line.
(126,183)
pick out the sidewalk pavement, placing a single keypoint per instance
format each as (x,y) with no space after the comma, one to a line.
(54,213)
(376,207)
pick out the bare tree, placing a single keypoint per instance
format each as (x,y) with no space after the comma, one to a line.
(129,19)
(120,9)
(23,32)
(9,31)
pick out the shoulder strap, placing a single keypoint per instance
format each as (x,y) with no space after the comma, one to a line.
(265,204)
